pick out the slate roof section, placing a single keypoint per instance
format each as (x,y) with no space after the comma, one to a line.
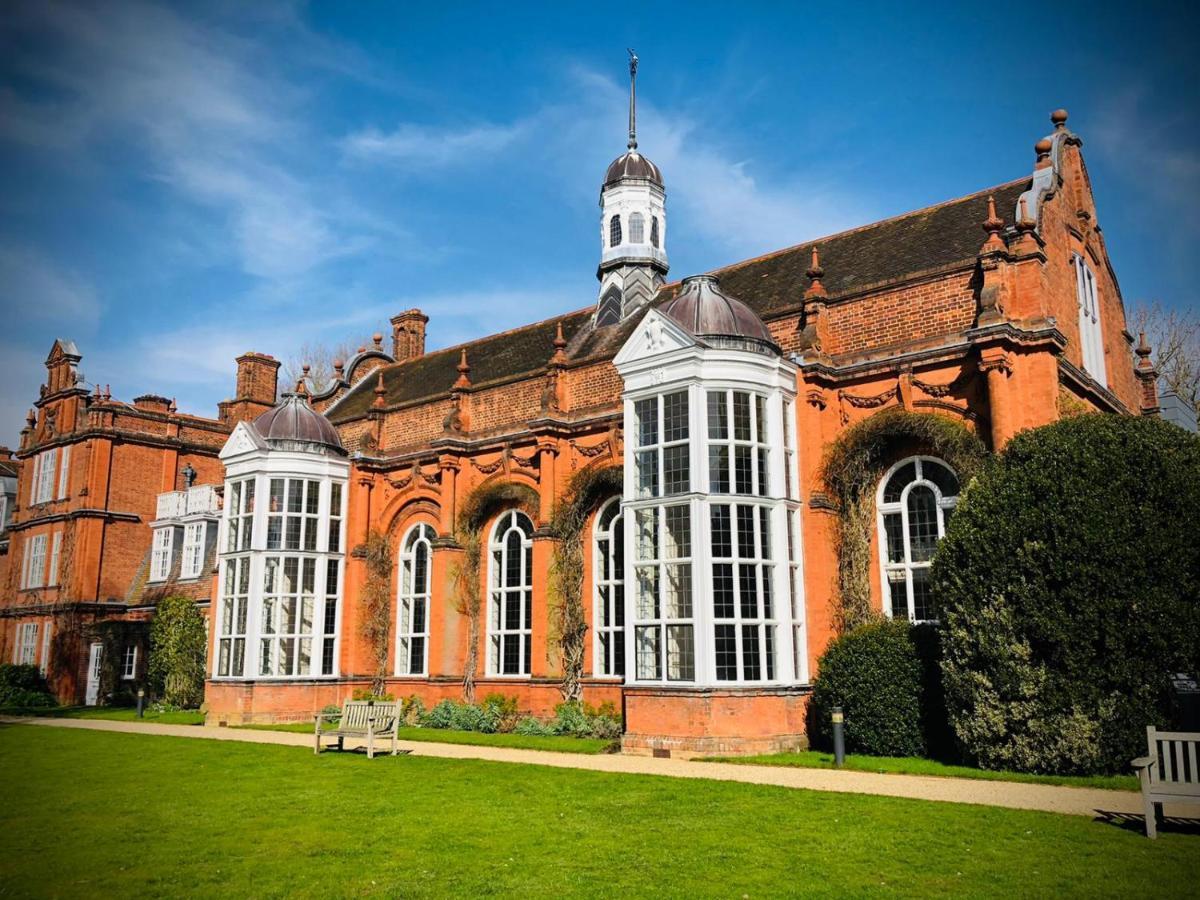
(930,239)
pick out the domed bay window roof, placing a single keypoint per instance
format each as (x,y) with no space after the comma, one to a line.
(719,320)
(292,424)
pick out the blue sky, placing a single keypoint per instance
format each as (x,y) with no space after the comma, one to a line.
(182,183)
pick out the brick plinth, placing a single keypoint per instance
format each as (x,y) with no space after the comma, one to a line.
(694,721)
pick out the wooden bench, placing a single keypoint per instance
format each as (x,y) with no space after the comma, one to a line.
(368,719)
(1168,772)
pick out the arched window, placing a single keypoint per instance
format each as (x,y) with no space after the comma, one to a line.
(609,579)
(637,228)
(654,231)
(412,602)
(915,501)
(614,231)
(510,594)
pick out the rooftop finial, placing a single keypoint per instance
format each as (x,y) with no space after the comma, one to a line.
(633,61)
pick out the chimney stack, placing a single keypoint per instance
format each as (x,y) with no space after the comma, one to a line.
(257,383)
(408,335)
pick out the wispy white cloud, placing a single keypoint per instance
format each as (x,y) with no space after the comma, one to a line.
(426,146)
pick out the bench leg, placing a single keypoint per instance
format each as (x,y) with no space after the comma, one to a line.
(341,743)
(1151,816)
(317,742)
(395,737)
(370,743)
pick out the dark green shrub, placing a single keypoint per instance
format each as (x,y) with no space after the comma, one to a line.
(501,712)
(178,646)
(1069,582)
(441,715)
(22,685)
(873,673)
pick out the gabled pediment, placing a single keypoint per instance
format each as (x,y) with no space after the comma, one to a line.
(654,336)
(243,440)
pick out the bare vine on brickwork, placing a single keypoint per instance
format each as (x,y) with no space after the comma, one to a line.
(854,465)
(377,613)
(568,621)
(480,506)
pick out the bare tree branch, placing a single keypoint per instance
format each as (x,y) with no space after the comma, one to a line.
(1175,337)
(319,357)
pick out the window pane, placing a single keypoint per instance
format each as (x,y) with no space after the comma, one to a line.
(276,503)
(751,667)
(922,523)
(741,416)
(941,476)
(678,541)
(743,470)
(646,639)
(722,534)
(923,603)
(760,418)
(718,469)
(679,591)
(675,469)
(647,533)
(726,652)
(748,589)
(723,590)
(900,479)
(745,532)
(718,426)
(646,412)
(893,526)
(647,592)
(681,653)
(675,416)
(647,473)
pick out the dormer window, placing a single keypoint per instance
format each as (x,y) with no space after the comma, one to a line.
(654,231)
(614,231)
(637,228)
(160,557)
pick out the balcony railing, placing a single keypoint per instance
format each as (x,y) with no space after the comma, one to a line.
(175,504)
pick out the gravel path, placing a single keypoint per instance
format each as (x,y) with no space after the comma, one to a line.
(1047,798)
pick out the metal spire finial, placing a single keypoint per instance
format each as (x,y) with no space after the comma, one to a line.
(633,61)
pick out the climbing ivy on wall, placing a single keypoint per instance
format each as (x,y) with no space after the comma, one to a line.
(377,613)
(480,506)
(587,490)
(853,467)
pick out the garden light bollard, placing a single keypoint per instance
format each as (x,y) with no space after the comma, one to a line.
(141,700)
(839,738)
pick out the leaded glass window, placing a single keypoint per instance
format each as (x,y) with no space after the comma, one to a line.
(510,595)
(412,612)
(737,443)
(609,579)
(916,500)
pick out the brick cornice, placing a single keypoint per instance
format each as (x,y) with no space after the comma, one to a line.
(85,513)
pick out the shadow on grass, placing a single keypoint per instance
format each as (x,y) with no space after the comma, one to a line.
(1137,823)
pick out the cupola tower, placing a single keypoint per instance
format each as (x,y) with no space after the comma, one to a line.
(633,227)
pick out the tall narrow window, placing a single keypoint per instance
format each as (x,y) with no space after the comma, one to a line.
(664,626)
(737,443)
(55,554)
(654,231)
(44,658)
(335,518)
(662,452)
(330,623)
(160,553)
(743,606)
(510,597)
(240,515)
(412,611)
(193,550)
(34,574)
(915,502)
(44,471)
(614,231)
(1091,337)
(286,616)
(27,643)
(64,471)
(637,228)
(231,633)
(609,578)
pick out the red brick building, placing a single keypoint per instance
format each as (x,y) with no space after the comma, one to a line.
(625,502)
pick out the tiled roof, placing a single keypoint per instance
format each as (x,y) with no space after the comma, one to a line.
(892,250)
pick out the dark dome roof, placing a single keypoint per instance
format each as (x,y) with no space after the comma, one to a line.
(293,420)
(632,165)
(708,312)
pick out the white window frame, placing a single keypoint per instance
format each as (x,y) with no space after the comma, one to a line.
(902,570)
(232,615)
(414,600)
(42,483)
(129,663)
(194,535)
(44,659)
(27,634)
(34,572)
(760,624)
(55,553)
(1091,332)
(501,593)
(64,471)
(161,552)
(608,591)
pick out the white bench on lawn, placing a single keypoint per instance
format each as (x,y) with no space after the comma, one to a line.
(1168,772)
(362,719)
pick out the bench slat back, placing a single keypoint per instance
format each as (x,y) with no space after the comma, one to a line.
(357,713)
(1175,753)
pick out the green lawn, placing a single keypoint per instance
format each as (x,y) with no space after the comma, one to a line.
(112,713)
(448,736)
(105,814)
(907,765)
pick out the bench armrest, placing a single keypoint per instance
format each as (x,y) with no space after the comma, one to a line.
(1143,762)
(317,717)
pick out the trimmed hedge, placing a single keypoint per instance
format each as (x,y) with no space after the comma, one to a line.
(884,676)
(1069,583)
